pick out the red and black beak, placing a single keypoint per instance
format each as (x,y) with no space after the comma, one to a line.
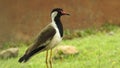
(64,13)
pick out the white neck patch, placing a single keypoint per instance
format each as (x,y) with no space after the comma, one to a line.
(53,15)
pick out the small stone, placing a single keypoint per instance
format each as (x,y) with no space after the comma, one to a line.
(66,50)
(9,53)
(111,33)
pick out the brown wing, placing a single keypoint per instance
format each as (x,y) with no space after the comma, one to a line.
(43,38)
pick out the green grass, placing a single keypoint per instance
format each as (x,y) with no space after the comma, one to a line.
(96,51)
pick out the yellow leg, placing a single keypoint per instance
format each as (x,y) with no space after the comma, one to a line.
(47,58)
(50,59)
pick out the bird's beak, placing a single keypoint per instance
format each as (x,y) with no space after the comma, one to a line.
(64,13)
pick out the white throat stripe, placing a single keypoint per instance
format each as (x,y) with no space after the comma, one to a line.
(53,15)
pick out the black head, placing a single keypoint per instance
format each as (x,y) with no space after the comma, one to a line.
(59,11)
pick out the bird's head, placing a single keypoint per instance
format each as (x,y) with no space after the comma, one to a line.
(58,12)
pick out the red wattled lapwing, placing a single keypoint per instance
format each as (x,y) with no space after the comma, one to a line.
(48,38)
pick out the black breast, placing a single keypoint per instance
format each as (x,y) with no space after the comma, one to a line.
(59,25)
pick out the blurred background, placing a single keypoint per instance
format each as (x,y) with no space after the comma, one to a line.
(91,33)
(23,19)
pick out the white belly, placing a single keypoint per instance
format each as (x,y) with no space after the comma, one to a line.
(56,40)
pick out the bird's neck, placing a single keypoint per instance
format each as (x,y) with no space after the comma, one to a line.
(57,21)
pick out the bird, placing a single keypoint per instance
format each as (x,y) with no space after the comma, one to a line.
(48,38)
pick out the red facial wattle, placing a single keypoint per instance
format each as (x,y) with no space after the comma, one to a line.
(64,13)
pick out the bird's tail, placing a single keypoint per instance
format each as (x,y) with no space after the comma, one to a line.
(24,58)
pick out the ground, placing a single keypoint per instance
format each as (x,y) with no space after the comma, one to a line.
(101,50)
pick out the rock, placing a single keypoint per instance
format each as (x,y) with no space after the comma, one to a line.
(111,33)
(9,53)
(63,51)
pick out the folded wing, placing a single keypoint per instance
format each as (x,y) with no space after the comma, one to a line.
(43,39)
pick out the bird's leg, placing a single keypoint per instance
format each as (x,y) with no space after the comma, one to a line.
(50,59)
(47,58)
